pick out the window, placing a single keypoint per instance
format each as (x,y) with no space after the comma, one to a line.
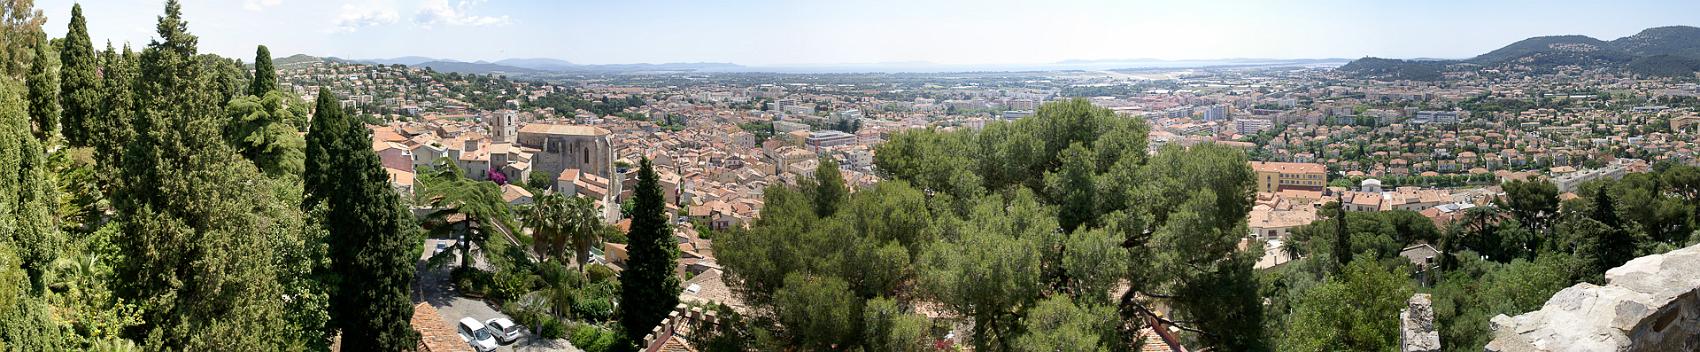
(586,156)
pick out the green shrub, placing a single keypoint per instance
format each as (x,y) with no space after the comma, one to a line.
(552,328)
(552,273)
(593,302)
(604,343)
(585,334)
(471,281)
(598,273)
(510,285)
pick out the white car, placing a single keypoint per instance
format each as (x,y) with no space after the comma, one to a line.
(474,333)
(505,330)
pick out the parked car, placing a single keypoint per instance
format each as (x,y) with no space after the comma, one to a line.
(476,335)
(505,330)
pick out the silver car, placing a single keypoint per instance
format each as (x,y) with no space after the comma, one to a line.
(505,330)
(476,335)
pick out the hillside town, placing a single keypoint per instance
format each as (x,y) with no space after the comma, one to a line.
(872,175)
(1316,136)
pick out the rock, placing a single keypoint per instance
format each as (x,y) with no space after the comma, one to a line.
(1651,303)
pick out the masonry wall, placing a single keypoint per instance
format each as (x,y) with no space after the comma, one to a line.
(1651,303)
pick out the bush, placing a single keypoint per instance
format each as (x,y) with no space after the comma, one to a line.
(552,328)
(604,343)
(593,302)
(555,274)
(509,285)
(598,273)
(585,334)
(471,282)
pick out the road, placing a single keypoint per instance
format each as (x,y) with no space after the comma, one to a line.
(434,287)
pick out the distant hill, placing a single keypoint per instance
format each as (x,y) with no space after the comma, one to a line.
(1555,51)
(545,64)
(296,59)
(672,66)
(474,68)
(405,60)
(1665,66)
(1681,41)
(1662,51)
(1395,69)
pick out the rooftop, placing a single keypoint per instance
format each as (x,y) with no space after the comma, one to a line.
(1288,168)
(565,130)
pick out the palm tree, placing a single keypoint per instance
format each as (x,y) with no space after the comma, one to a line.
(544,219)
(558,221)
(585,228)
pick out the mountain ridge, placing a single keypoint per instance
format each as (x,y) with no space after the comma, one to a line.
(1669,51)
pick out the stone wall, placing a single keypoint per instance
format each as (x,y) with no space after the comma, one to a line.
(1651,303)
(1416,326)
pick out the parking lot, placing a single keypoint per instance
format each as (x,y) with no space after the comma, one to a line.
(435,289)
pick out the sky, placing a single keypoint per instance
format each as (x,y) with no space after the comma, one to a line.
(819,32)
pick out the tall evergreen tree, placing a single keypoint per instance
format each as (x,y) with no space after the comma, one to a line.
(197,255)
(265,77)
(371,252)
(80,81)
(26,194)
(319,175)
(44,91)
(1342,236)
(648,288)
(1618,244)
(829,190)
(111,131)
(259,129)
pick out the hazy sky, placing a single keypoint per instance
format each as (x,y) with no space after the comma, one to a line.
(768,32)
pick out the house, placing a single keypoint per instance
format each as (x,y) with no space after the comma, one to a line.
(402,180)
(1276,176)
(1267,223)
(435,334)
(515,195)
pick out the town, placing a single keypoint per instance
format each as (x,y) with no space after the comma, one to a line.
(872,175)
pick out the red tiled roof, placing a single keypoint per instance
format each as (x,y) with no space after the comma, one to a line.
(435,335)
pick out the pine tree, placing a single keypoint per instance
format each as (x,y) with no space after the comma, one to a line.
(372,254)
(829,190)
(44,91)
(80,84)
(648,287)
(198,258)
(265,77)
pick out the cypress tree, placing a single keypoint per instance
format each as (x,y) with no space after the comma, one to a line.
(111,131)
(648,287)
(265,77)
(198,258)
(80,84)
(26,194)
(372,256)
(1342,237)
(44,91)
(319,175)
